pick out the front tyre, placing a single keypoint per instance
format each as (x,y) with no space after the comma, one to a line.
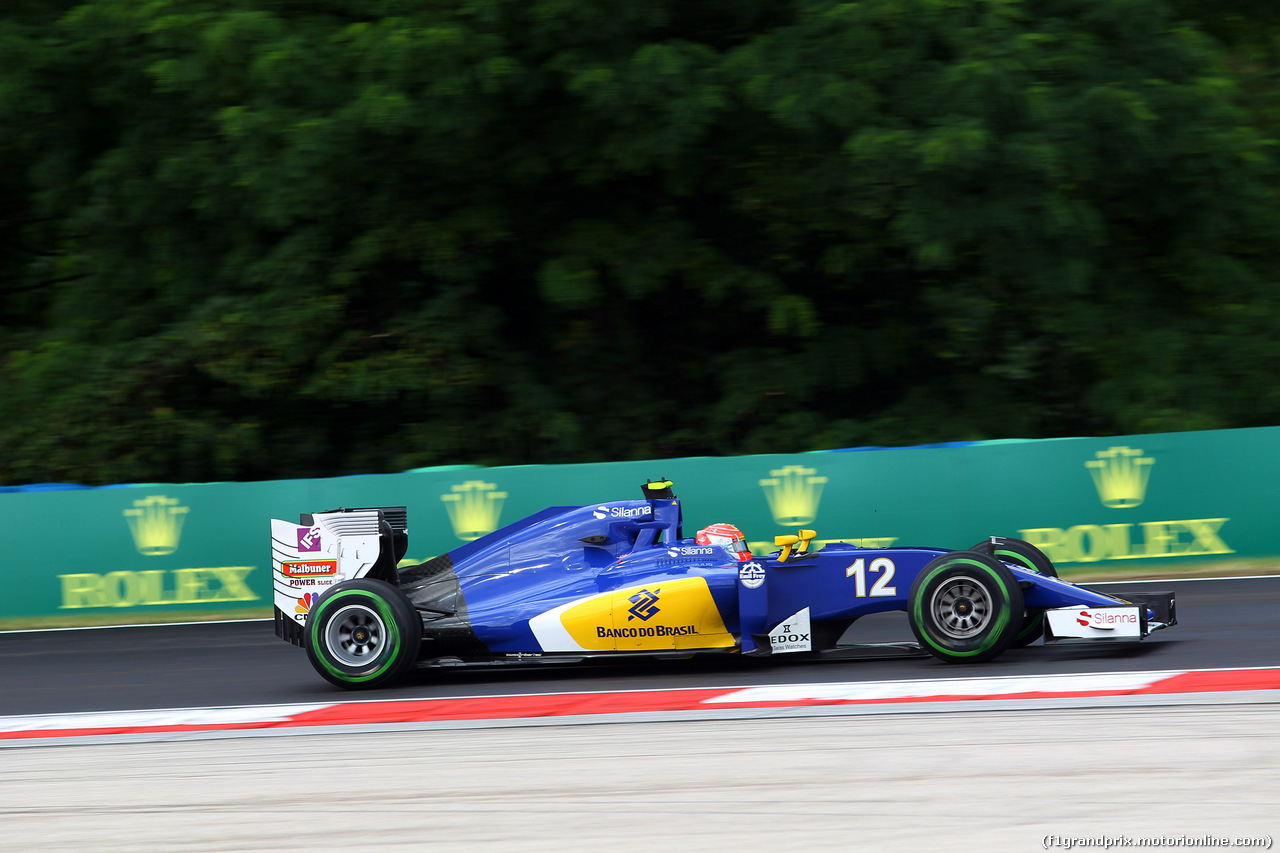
(363,633)
(1019,552)
(965,607)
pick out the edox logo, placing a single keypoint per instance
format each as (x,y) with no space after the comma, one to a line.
(644,605)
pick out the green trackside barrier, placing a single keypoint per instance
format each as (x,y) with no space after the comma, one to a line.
(1128,506)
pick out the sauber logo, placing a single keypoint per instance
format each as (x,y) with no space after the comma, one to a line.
(1105,620)
(644,605)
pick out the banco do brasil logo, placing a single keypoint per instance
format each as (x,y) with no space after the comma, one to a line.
(644,605)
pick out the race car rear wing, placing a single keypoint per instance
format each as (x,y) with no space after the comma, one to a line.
(396,531)
(327,547)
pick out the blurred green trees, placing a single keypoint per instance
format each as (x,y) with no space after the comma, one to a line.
(245,239)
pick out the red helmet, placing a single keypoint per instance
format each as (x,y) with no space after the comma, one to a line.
(726,536)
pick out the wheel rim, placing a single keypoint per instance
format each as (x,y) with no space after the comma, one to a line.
(355,635)
(961,607)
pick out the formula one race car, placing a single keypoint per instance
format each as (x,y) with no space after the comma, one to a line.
(620,578)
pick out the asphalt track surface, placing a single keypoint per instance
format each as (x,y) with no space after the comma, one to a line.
(990,781)
(996,776)
(1221,623)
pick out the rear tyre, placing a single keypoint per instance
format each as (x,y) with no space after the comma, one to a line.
(965,607)
(1028,556)
(363,633)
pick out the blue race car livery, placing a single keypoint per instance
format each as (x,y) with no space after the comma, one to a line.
(620,578)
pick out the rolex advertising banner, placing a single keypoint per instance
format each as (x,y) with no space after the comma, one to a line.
(1123,506)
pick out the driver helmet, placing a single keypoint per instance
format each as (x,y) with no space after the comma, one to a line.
(726,536)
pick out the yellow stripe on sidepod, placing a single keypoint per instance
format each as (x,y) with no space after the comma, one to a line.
(667,614)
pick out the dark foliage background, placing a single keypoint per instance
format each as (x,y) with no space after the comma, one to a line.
(250,239)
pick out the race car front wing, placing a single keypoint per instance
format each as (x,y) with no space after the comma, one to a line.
(1134,616)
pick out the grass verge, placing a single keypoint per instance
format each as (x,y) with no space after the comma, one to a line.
(1157,571)
(96,620)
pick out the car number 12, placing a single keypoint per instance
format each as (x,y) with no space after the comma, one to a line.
(881,588)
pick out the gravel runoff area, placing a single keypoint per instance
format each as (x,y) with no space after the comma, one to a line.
(991,781)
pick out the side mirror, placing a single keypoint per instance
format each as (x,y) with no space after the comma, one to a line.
(805,536)
(800,543)
(786,543)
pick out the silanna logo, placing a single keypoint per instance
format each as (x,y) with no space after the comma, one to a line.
(693,551)
(1105,620)
(621,512)
(644,605)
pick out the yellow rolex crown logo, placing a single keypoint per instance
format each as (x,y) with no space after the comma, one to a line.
(474,508)
(793,493)
(1120,475)
(156,524)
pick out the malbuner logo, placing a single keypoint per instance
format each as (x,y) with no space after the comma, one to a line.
(474,508)
(793,493)
(1120,475)
(156,524)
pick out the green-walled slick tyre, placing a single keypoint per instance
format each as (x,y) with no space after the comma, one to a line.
(363,633)
(1021,553)
(965,607)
